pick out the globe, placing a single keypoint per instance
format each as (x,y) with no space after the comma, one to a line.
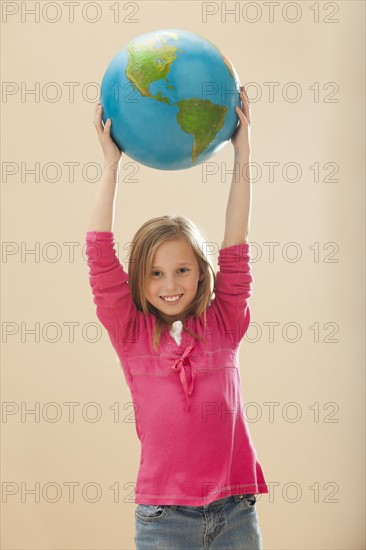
(171,97)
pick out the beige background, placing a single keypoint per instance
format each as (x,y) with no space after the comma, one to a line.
(315,466)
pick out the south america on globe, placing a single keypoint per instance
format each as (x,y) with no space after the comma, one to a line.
(171,97)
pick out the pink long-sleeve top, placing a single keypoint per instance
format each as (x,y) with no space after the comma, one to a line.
(189,417)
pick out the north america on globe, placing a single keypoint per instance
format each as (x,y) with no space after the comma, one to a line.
(151,62)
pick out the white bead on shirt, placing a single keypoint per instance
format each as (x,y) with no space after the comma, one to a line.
(176,331)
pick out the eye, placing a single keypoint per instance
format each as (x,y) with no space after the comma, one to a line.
(157,273)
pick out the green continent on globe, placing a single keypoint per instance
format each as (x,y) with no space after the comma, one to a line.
(201,118)
(149,64)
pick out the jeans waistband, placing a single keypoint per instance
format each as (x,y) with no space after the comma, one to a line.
(218,502)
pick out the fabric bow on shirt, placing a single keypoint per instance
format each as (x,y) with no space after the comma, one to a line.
(179,367)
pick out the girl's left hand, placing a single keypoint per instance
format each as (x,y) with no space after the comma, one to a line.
(241,137)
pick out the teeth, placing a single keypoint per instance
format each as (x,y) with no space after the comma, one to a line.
(171,298)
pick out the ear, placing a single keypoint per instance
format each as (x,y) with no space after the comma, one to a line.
(201,277)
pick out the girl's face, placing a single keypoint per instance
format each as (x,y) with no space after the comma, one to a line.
(175,273)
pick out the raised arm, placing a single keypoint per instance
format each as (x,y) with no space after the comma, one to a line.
(238,208)
(102,213)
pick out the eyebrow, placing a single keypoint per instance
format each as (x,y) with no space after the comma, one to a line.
(180,263)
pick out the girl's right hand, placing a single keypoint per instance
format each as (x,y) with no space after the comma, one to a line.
(112,154)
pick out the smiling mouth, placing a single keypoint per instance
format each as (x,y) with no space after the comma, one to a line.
(171,299)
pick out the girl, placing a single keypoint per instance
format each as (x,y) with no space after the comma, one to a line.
(179,350)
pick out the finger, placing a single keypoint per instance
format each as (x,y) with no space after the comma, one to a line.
(242,116)
(246,106)
(242,89)
(243,107)
(98,119)
(244,97)
(107,127)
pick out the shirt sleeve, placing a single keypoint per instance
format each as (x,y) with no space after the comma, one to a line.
(232,291)
(111,292)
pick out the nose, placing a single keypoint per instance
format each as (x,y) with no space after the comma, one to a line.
(170,283)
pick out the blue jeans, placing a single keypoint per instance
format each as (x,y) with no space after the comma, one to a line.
(229,523)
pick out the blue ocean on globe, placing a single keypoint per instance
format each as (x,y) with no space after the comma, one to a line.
(171,96)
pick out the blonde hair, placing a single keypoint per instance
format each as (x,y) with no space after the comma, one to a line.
(145,243)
